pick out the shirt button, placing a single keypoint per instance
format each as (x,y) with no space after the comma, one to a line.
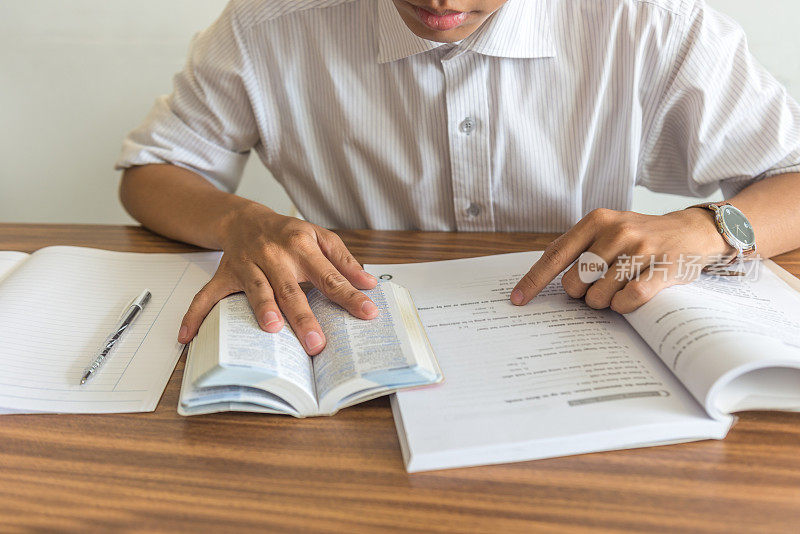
(467,125)
(474,210)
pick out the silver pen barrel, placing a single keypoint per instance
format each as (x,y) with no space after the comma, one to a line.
(111,341)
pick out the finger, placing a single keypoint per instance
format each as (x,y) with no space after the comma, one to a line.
(592,265)
(261,298)
(294,304)
(559,255)
(624,268)
(645,286)
(218,288)
(336,251)
(599,294)
(336,287)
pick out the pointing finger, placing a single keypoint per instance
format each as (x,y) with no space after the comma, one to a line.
(557,256)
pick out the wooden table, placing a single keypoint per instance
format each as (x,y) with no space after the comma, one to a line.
(245,472)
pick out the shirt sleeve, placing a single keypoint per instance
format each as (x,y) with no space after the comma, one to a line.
(207,124)
(723,120)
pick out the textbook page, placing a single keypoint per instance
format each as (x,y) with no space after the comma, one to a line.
(734,341)
(58,307)
(551,378)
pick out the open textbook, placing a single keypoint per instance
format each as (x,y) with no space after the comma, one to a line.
(233,365)
(556,378)
(57,306)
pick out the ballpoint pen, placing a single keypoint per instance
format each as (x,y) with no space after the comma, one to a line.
(126,321)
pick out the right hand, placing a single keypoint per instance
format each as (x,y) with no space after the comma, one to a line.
(268,255)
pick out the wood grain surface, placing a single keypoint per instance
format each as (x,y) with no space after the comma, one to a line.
(246,472)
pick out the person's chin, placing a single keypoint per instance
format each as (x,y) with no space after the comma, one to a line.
(449,36)
(414,18)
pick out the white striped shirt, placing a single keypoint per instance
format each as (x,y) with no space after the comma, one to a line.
(550,109)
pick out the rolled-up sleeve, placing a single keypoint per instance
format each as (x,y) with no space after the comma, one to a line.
(207,124)
(723,120)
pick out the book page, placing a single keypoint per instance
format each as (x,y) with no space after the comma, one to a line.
(550,378)
(10,260)
(356,347)
(244,344)
(716,329)
(196,401)
(58,307)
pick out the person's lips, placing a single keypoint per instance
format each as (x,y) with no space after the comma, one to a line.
(441,22)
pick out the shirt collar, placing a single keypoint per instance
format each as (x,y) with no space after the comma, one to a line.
(519,29)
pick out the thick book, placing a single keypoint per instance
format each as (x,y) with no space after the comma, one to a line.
(556,378)
(233,365)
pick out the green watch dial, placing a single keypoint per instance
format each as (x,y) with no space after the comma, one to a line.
(737,226)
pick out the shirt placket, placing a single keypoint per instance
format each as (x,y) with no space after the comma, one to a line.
(468,135)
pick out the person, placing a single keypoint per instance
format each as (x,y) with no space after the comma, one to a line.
(462,115)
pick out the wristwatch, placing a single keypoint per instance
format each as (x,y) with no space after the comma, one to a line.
(734,228)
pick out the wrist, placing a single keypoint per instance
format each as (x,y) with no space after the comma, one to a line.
(242,213)
(700,222)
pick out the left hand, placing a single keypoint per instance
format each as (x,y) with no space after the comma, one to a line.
(645,254)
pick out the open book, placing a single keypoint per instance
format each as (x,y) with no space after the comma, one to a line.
(234,365)
(556,378)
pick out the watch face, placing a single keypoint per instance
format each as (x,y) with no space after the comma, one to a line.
(737,225)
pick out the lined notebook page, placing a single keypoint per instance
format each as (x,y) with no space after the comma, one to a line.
(10,260)
(57,308)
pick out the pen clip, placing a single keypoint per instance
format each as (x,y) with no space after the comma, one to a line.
(126,308)
(133,301)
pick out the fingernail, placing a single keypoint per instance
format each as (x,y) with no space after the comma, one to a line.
(313,340)
(369,308)
(183,333)
(369,275)
(271,318)
(517,297)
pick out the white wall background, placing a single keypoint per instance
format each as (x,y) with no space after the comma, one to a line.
(76,75)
